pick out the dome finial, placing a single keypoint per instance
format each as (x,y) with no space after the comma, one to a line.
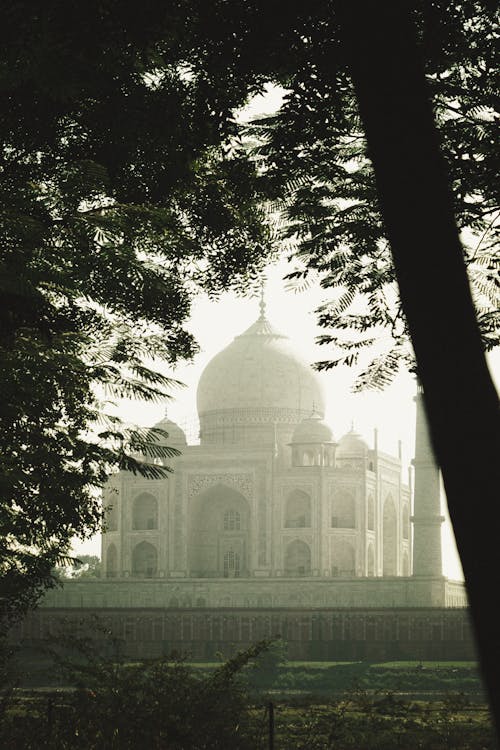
(262,303)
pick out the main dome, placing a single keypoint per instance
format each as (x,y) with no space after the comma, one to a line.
(257,380)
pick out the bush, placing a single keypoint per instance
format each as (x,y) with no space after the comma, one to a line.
(158,704)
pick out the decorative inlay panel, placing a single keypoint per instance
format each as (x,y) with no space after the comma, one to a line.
(243,483)
(263,415)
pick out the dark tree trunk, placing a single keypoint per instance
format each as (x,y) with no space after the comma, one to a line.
(415,199)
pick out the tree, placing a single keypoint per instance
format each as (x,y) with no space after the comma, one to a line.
(84,566)
(231,52)
(314,158)
(441,330)
(264,669)
(121,197)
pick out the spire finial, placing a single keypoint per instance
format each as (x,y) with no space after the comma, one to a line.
(165,416)
(262,303)
(352,425)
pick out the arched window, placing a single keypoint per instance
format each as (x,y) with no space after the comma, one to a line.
(370,513)
(144,560)
(232,564)
(343,513)
(389,538)
(145,512)
(343,559)
(297,559)
(298,510)
(201,602)
(111,562)
(232,520)
(406,522)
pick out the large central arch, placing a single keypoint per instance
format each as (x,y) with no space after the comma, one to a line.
(219,538)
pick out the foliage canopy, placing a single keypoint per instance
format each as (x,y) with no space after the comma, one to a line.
(313,158)
(121,197)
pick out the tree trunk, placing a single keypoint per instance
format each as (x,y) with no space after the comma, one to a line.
(460,399)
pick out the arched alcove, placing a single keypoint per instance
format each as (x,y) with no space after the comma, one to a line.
(343,559)
(145,512)
(297,559)
(219,533)
(297,510)
(111,561)
(389,538)
(370,561)
(370,513)
(144,560)
(343,510)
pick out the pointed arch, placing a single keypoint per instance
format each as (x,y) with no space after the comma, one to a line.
(297,559)
(144,560)
(343,510)
(297,510)
(343,559)
(145,512)
(219,533)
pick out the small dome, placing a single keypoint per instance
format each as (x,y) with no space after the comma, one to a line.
(176,436)
(351,442)
(312,430)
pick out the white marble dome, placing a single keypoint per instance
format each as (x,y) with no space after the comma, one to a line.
(313,429)
(351,443)
(176,436)
(257,379)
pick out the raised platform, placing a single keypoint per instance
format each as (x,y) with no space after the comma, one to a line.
(303,593)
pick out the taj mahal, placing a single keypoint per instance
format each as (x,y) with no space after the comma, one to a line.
(272,524)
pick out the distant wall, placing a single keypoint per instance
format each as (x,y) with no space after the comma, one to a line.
(317,634)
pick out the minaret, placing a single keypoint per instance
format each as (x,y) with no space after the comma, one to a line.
(427,518)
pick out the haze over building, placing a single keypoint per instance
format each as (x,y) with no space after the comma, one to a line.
(273,525)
